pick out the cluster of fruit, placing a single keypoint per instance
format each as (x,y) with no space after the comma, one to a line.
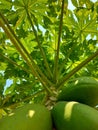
(74,110)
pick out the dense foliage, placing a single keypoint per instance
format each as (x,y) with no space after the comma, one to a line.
(44,44)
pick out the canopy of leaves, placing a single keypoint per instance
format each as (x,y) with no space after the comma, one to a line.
(43,43)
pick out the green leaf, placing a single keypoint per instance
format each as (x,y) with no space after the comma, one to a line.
(75,3)
(5,4)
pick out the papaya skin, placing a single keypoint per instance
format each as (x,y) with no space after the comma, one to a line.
(74,116)
(83,90)
(28,117)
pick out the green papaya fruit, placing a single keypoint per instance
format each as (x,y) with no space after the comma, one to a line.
(83,90)
(28,117)
(74,116)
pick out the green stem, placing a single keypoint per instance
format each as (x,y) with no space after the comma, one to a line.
(39,44)
(23,100)
(83,29)
(58,45)
(34,95)
(15,64)
(64,62)
(91,31)
(64,79)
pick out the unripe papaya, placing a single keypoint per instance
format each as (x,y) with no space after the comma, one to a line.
(28,117)
(74,116)
(83,90)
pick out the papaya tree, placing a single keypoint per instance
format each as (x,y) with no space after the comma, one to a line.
(44,44)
